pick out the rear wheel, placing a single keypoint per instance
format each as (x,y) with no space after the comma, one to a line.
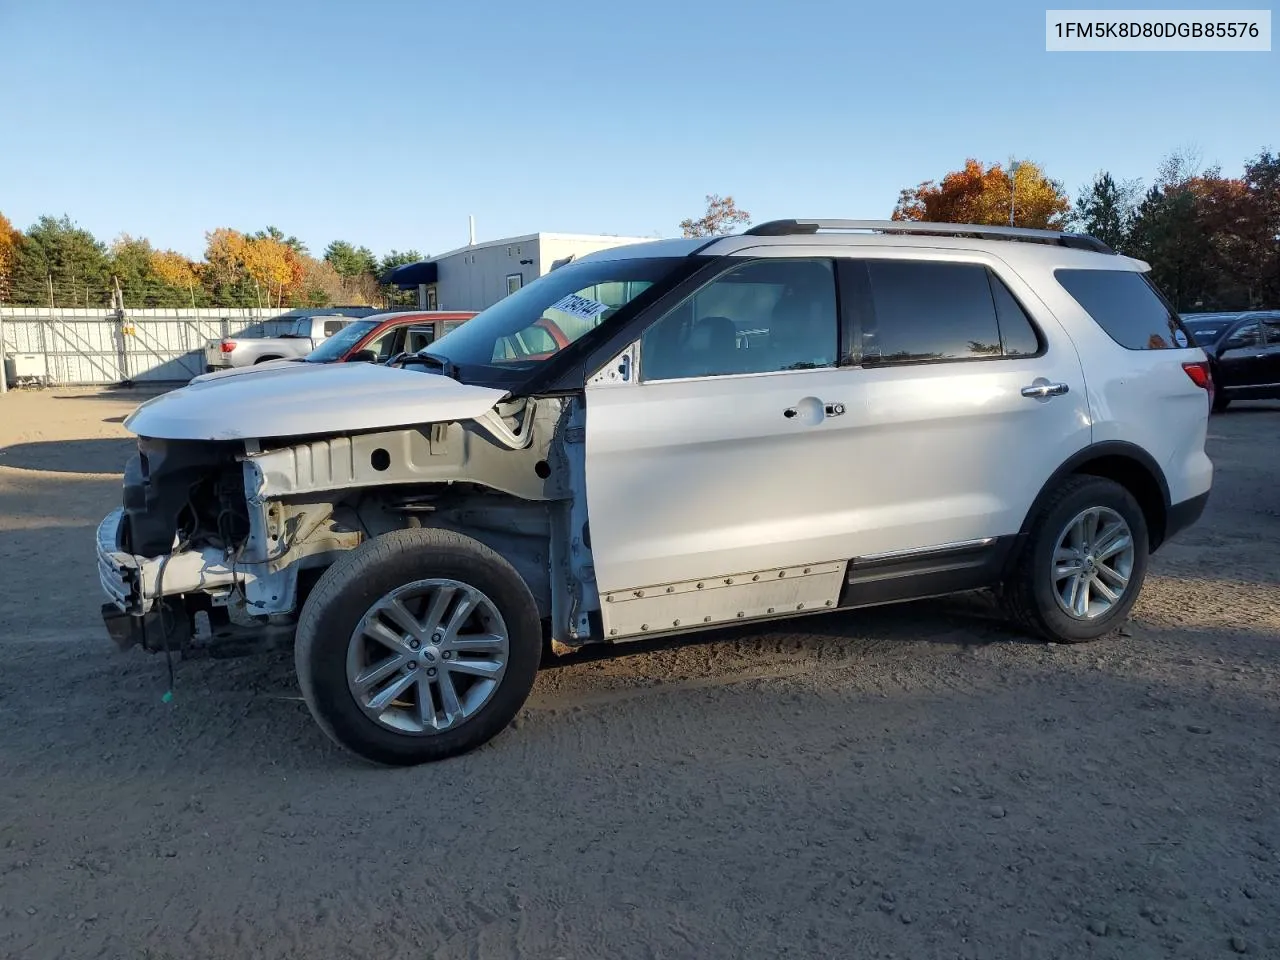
(420,645)
(264,360)
(1083,562)
(1220,402)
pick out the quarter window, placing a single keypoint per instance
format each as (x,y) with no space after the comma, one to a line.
(764,316)
(931,311)
(1127,307)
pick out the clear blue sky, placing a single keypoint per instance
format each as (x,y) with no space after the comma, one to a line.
(386,123)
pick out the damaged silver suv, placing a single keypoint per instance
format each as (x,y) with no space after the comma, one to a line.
(664,438)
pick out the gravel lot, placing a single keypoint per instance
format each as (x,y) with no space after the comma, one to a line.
(914,782)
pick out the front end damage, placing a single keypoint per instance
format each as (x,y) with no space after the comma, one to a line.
(218,542)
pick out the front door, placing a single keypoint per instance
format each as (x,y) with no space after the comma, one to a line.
(723,457)
(1243,358)
(1271,368)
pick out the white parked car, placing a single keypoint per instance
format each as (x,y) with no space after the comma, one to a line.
(808,417)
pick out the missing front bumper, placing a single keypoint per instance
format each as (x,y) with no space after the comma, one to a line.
(166,627)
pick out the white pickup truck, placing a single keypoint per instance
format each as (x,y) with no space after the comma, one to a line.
(298,336)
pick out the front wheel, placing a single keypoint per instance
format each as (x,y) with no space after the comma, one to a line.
(420,645)
(1082,564)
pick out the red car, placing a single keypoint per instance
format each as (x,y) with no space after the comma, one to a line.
(380,337)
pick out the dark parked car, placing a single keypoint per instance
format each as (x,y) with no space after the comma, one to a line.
(1243,351)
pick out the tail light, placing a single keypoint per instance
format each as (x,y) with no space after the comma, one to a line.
(1201,376)
(228,345)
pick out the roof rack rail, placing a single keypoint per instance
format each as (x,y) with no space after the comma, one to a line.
(788,228)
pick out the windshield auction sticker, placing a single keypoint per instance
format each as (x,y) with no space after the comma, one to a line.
(584,308)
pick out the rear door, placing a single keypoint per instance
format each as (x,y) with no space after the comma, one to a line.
(970,404)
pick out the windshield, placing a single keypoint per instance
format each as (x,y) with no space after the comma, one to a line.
(539,320)
(333,349)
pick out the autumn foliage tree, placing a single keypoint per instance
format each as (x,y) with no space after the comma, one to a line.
(722,217)
(985,195)
(178,272)
(9,241)
(258,270)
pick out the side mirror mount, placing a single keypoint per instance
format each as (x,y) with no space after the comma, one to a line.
(363,356)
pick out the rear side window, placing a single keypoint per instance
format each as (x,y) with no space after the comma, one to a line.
(332,326)
(929,311)
(1127,307)
(419,338)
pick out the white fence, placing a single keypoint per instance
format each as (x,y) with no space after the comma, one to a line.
(100,346)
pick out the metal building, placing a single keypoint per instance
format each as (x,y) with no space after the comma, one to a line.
(480,274)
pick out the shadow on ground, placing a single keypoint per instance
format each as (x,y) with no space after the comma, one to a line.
(121,394)
(101,455)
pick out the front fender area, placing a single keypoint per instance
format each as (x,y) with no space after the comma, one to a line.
(430,454)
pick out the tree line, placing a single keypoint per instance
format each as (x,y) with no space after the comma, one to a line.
(1213,242)
(57,263)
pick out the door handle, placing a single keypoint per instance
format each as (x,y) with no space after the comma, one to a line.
(810,406)
(1042,389)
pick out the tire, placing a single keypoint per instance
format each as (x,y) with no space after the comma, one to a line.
(1031,595)
(265,360)
(353,597)
(1220,403)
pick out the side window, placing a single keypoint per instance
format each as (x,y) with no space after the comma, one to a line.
(1250,335)
(332,326)
(938,311)
(451,325)
(418,338)
(1127,307)
(1018,338)
(385,345)
(764,316)
(1272,328)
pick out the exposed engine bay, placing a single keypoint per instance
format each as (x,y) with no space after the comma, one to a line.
(239,531)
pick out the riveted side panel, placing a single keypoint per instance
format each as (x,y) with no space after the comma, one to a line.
(691,604)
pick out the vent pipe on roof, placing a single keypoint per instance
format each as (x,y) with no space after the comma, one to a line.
(471,228)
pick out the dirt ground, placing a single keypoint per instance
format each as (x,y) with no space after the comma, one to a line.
(913,782)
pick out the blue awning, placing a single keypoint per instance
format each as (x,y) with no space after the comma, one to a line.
(410,275)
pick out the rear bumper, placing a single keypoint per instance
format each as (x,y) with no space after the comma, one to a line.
(1183,515)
